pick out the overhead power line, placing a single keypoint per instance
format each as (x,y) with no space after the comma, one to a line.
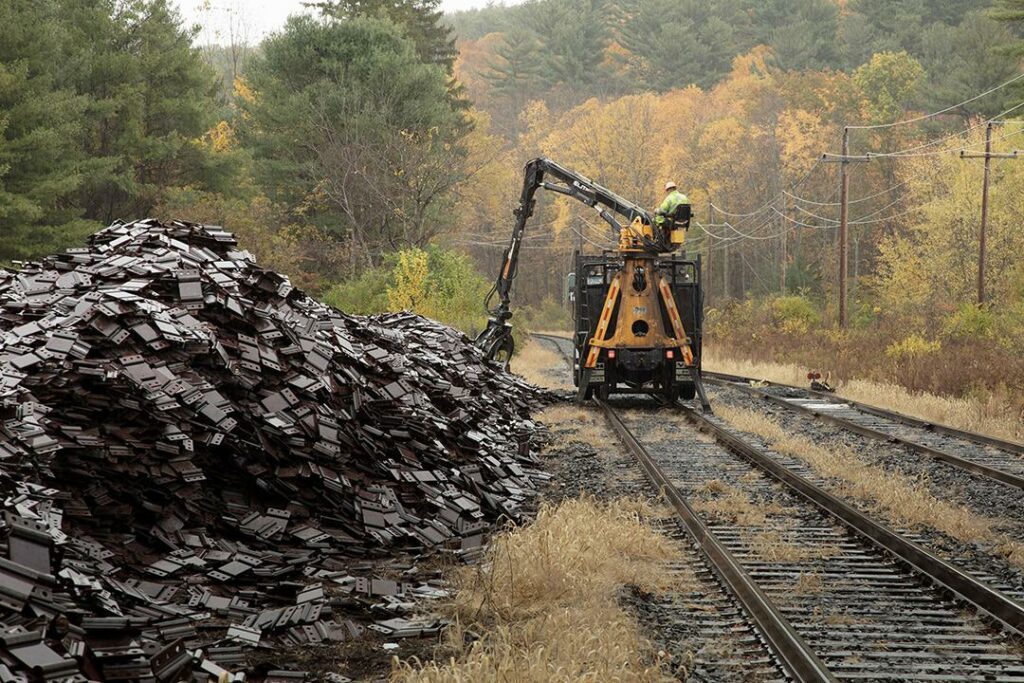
(925,117)
(835,224)
(852,201)
(973,147)
(770,202)
(938,141)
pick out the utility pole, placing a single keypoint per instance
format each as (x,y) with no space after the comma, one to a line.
(844,160)
(725,257)
(725,272)
(988,156)
(709,240)
(782,252)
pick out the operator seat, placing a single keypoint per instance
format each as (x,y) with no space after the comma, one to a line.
(682,215)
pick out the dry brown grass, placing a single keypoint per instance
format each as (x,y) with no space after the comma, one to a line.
(770,545)
(902,500)
(714,361)
(775,545)
(540,364)
(726,503)
(808,583)
(579,423)
(544,603)
(988,415)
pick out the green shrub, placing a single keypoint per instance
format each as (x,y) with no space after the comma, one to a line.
(911,348)
(795,314)
(865,315)
(434,282)
(361,295)
(970,322)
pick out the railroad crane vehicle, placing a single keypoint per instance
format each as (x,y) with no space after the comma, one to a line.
(637,308)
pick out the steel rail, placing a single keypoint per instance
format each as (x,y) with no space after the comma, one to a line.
(555,338)
(951,458)
(794,653)
(966,435)
(1000,607)
(742,381)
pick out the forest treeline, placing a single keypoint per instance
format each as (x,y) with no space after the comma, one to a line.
(104,108)
(336,140)
(568,51)
(374,150)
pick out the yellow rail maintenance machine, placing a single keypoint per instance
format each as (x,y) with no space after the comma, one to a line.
(638,309)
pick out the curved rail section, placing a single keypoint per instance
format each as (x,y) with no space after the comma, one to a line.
(796,655)
(1002,608)
(884,425)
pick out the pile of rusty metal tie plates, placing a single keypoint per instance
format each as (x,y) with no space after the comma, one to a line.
(197,459)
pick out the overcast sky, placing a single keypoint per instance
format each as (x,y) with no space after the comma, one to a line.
(260,17)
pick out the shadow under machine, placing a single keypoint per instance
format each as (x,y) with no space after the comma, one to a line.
(637,309)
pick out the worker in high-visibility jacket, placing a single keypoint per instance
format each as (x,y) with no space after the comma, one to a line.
(673,200)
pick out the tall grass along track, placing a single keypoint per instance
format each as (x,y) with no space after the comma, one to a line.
(724,597)
(979,454)
(828,569)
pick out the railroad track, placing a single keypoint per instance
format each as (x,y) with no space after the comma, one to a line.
(835,594)
(996,459)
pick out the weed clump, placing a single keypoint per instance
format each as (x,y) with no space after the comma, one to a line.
(543,606)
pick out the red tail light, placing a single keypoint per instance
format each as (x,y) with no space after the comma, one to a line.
(611,354)
(810,375)
(670,354)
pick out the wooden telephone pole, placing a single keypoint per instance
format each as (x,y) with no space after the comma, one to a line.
(784,230)
(844,160)
(988,156)
(710,242)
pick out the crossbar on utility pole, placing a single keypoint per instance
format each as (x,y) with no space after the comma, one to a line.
(844,160)
(988,156)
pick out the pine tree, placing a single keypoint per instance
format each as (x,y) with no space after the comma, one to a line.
(965,60)
(420,19)
(518,71)
(39,121)
(666,37)
(573,35)
(354,130)
(1011,11)
(151,95)
(803,36)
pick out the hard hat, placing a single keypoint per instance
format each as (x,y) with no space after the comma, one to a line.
(670,185)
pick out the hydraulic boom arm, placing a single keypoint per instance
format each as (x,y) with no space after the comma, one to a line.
(496,339)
